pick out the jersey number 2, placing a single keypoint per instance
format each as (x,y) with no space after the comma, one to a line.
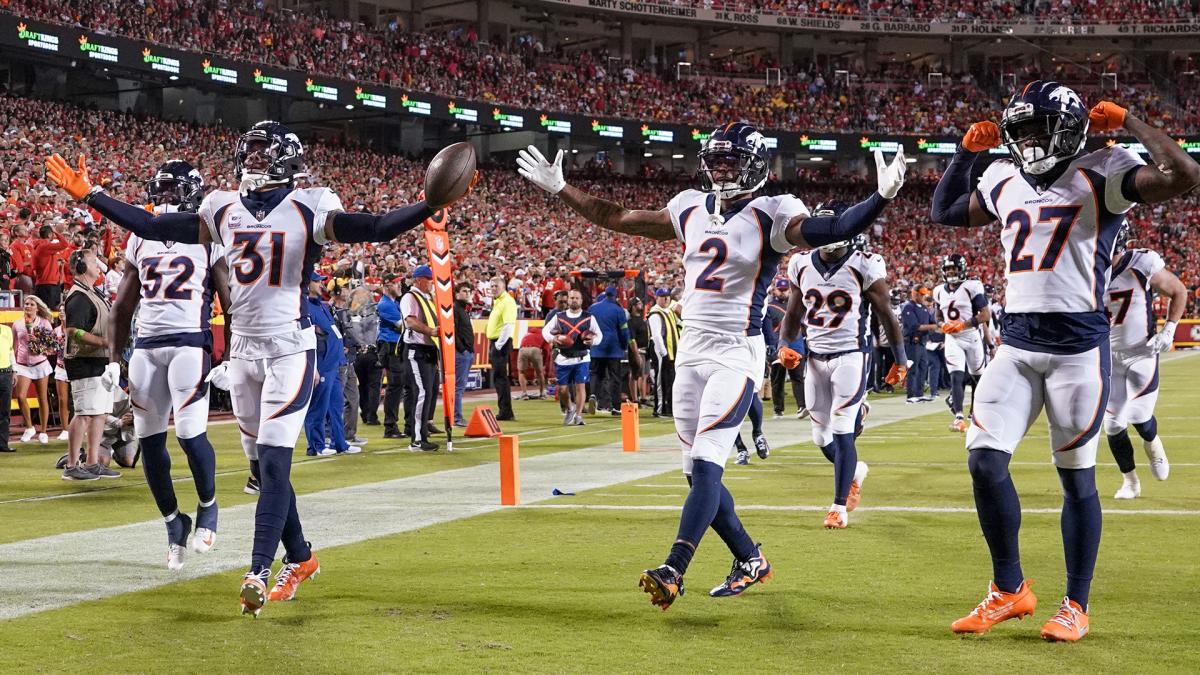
(1063,217)
(249,267)
(706,281)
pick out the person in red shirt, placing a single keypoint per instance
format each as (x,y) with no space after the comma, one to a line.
(532,356)
(48,267)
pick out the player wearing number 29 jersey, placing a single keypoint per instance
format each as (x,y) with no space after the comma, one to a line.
(733,241)
(1060,209)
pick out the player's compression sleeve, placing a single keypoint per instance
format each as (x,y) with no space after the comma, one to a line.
(357,228)
(181,227)
(823,230)
(952,196)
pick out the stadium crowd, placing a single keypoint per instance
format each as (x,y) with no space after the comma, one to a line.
(531,74)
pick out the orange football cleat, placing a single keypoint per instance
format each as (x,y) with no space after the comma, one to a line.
(959,424)
(860,477)
(836,520)
(254,592)
(1069,625)
(996,607)
(291,575)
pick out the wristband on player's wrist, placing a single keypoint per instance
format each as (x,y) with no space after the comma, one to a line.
(96,189)
(898,355)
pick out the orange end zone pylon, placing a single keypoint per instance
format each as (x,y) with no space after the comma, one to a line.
(510,471)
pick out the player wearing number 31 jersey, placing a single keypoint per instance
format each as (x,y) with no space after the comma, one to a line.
(733,241)
(1060,209)
(271,231)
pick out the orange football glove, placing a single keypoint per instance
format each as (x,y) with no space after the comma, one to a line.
(789,358)
(1107,116)
(896,374)
(952,327)
(75,183)
(981,136)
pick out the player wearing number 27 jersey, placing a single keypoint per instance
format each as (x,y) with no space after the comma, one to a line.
(733,242)
(1060,209)
(271,231)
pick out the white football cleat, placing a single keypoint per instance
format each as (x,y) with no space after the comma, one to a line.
(175,555)
(1159,467)
(1131,487)
(203,540)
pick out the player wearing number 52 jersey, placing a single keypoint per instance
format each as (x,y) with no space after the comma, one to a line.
(271,232)
(963,312)
(833,291)
(1136,275)
(1060,209)
(733,241)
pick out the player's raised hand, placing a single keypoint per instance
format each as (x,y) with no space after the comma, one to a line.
(981,136)
(789,358)
(1106,116)
(75,183)
(536,169)
(896,374)
(891,176)
(219,376)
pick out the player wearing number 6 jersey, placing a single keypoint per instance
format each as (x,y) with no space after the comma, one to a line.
(271,232)
(733,242)
(170,285)
(833,291)
(1060,209)
(1136,342)
(963,310)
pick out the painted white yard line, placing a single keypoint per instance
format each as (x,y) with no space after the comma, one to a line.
(860,510)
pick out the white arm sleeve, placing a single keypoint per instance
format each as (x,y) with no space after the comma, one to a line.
(1120,162)
(206,218)
(787,207)
(327,202)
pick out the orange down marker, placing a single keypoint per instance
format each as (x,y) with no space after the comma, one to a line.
(510,470)
(631,436)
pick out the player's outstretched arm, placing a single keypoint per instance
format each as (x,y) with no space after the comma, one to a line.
(185,228)
(219,277)
(358,228)
(535,168)
(815,231)
(954,202)
(1173,172)
(129,292)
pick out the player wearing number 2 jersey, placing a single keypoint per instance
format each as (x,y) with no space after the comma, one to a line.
(733,242)
(833,291)
(171,286)
(1060,209)
(271,232)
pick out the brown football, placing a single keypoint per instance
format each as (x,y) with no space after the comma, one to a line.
(449,175)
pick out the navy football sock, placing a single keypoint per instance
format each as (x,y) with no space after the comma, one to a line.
(203,463)
(156,464)
(1081,525)
(958,390)
(845,460)
(1148,430)
(756,416)
(1122,450)
(728,526)
(297,549)
(699,509)
(273,499)
(830,451)
(999,511)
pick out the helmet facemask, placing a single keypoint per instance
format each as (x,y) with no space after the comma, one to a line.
(1038,142)
(730,171)
(265,160)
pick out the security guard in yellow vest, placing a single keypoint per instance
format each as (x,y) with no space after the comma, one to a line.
(421,340)
(665,327)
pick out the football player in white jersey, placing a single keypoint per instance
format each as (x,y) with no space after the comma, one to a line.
(271,232)
(1060,209)
(170,285)
(1137,274)
(962,309)
(733,242)
(833,290)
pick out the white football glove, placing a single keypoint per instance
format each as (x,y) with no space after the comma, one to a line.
(891,176)
(534,167)
(1164,339)
(908,364)
(111,379)
(219,376)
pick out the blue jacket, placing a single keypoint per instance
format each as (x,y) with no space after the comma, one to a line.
(913,315)
(331,353)
(389,316)
(614,326)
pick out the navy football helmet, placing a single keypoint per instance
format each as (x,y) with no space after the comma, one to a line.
(275,154)
(1124,235)
(1043,125)
(954,268)
(734,161)
(177,183)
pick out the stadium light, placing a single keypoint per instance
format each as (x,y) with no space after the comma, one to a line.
(647,154)
(349,106)
(677,156)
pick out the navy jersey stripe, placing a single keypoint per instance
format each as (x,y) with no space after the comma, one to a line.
(312,253)
(1107,226)
(768,265)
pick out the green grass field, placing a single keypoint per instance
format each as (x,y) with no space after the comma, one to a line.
(552,587)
